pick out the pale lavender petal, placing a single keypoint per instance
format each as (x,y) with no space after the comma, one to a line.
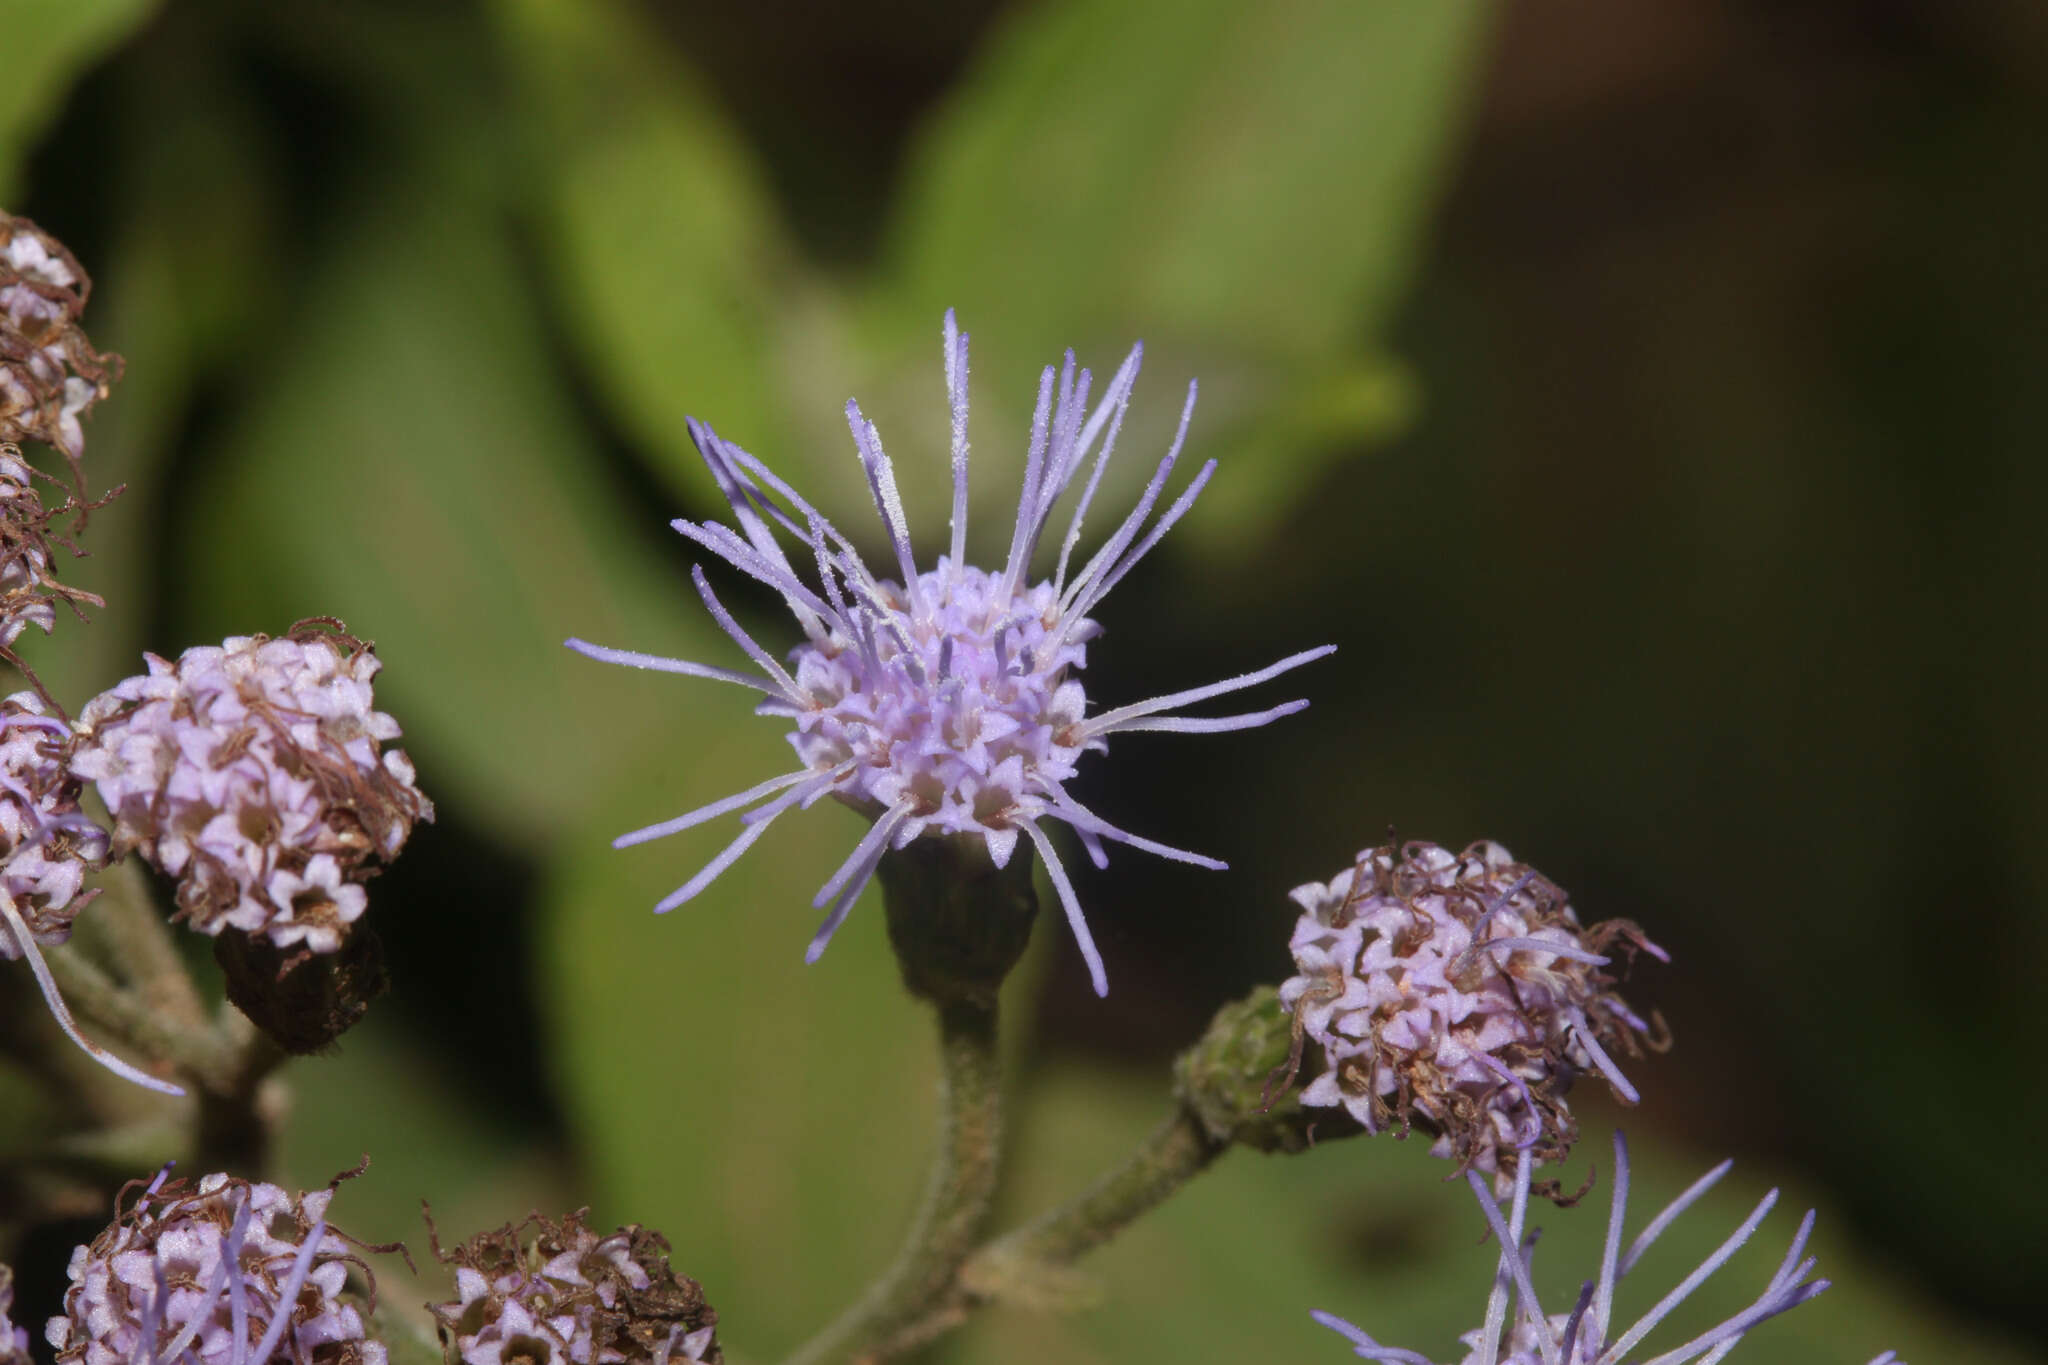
(1216,689)
(856,873)
(1657,1314)
(1080,817)
(1685,1200)
(1026,528)
(956,401)
(1114,404)
(1103,558)
(633,659)
(1205,725)
(1610,1251)
(764,817)
(1056,870)
(888,501)
(1368,1349)
(761,657)
(711,811)
(1167,519)
(287,1297)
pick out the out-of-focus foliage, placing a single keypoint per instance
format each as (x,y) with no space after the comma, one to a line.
(415,300)
(48,42)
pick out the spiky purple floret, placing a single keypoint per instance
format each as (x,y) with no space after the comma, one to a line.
(1583,1335)
(942,701)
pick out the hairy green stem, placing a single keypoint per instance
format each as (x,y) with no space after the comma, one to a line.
(1174,1153)
(128,930)
(956,1201)
(1032,1265)
(195,1051)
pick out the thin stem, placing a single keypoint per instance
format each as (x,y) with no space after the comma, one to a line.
(129,930)
(1174,1153)
(237,1123)
(1032,1264)
(197,1052)
(956,1202)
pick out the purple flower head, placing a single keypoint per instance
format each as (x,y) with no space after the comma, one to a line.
(13,1340)
(46,847)
(1460,991)
(944,701)
(252,772)
(232,1273)
(1584,1335)
(548,1293)
(50,376)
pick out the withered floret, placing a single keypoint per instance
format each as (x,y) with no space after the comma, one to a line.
(542,1292)
(50,375)
(1459,992)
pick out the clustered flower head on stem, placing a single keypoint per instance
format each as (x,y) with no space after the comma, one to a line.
(253,772)
(1459,991)
(1584,1334)
(230,1273)
(944,700)
(46,847)
(50,375)
(555,1293)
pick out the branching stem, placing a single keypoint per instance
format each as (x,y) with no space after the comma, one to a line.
(956,1201)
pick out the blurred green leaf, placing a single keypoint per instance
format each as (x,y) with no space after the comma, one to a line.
(377,1095)
(191,269)
(1246,185)
(1368,1229)
(771,1118)
(49,43)
(666,253)
(412,465)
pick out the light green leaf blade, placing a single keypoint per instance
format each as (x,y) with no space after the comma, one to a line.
(665,251)
(1245,186)
(412,465)
(191,259)
(49,43)
(771,1118)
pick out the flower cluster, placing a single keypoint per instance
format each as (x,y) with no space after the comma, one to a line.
(230,1273)
(253,773)
(943,701)
(1583,1335)
(1460,991)
(50,376)
(46,847)
(13,1340)
(29,590)
(46,844)
(549,1293)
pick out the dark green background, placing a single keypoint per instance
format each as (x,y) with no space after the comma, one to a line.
(1644,397)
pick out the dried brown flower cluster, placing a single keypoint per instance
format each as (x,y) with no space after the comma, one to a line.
(1459,992)
(50,375)
(543,1292)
